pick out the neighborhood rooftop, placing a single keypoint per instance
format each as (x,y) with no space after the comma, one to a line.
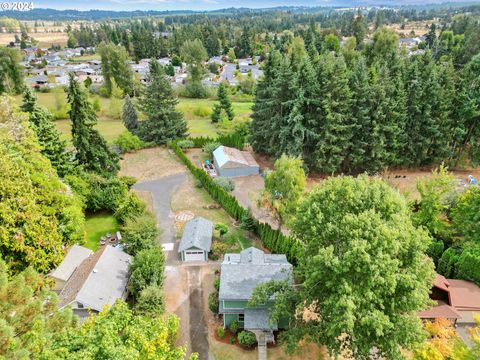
(100,280)
(241,273)
(197,233)
(75,256)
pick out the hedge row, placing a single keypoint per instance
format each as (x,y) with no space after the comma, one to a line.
(232,140)
(272,239)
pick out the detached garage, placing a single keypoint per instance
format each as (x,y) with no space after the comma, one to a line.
(231,162)
(196,240)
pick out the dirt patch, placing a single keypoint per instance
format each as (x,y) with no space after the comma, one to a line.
(196,156)
(404,180)
(176,299)
(150,164)
(264,161)
(196,200)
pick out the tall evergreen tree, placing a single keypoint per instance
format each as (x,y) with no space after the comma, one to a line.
(224,104)
(52,146)
(422,94)
(359,156)
(265,105)
(91,148)
(129,115)
(335,128)
(164,123)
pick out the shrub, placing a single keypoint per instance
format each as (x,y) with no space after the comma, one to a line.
(151,301)
(246,338)
(129,181)
(248,222)
(221,332)
(105,193)
(140,233)
(129,208)
(218,250)
(226,183)
(198,184)
(234,325)
(147,269)
(221,228)
(202,111)
(216,284)
(210,147)
(232,340)
(213,302)
(186,144)
(129,142)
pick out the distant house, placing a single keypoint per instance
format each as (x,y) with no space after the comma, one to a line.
(240,275)
(75,256)
(98,280)
(196,240)
(231,162)
(457,300)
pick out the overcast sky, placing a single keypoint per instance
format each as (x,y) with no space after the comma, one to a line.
(207,4)
(169,4)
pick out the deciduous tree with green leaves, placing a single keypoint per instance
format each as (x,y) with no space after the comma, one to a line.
(284,187)
(29,318)
(363,274)
(37,213)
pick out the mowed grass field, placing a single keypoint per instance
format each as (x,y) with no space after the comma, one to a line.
(196,112)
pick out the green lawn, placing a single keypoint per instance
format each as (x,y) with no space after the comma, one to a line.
(98,225)
(196,113)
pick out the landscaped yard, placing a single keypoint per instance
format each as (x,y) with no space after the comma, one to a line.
(96,226)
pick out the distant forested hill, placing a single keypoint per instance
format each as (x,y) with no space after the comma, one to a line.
(63,15)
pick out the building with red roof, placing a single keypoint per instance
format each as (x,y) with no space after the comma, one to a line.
(457,300)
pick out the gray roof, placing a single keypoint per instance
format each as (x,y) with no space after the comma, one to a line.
(228,157)
(258,319)
(242,273)
(100,280)
(70,262)
(197,233)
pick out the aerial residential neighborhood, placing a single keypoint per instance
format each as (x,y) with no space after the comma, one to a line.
(236,181)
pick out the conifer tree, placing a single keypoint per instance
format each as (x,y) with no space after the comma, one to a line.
(422,95)
(91,148)
(265,105)
(224,104)
(41,121)
(129,115)
(359,155)
(284,96)
(164,123)
(335,131)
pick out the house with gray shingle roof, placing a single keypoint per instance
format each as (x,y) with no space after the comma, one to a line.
(196,240)
(240,274)
(75,256)
(99,280)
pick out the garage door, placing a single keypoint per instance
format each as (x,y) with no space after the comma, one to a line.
(191,255)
